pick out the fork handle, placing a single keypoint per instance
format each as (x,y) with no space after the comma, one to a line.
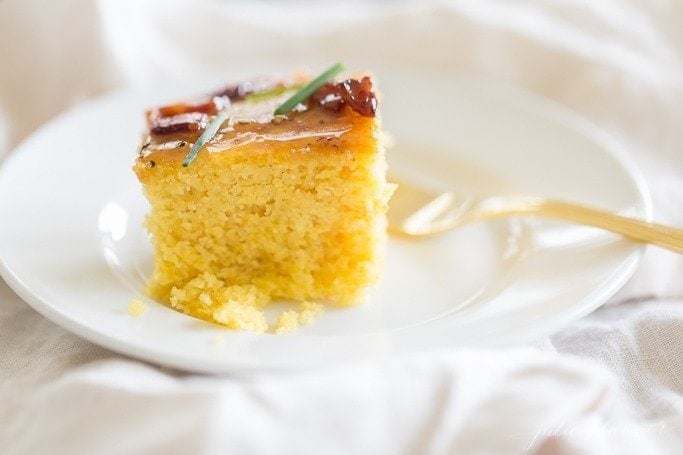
(634,229)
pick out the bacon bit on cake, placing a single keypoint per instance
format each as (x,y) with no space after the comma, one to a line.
(190,122)
(207,107)
(328,96)
(358,95)
(184,117)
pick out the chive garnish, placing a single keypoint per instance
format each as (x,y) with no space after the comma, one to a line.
(264,95)
(309,89)
(208,133)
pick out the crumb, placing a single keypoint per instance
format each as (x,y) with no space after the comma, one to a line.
(239,307)
(287,322)
(290,320)
(136,307)
(310,311)
(241,316)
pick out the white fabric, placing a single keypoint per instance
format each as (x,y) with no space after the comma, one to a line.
(609,383)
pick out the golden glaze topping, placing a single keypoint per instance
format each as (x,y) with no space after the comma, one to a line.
(329,112)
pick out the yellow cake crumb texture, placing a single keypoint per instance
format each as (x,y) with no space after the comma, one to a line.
(291,320)
(136,307)
(239,307)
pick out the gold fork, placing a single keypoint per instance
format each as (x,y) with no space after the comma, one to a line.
(415,212)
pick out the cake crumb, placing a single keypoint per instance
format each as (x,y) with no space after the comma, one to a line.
(236,307)
(241,316)
(136,308)
(290,320)
(287,322)
(239,307)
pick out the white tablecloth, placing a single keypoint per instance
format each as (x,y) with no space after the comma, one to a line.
(609,383)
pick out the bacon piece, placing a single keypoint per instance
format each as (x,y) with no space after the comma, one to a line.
(208,107)
(190,122)
(328,97)
(358,95)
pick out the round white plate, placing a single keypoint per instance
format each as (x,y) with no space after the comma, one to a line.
(72,243)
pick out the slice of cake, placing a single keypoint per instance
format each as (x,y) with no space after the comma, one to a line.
(272,206)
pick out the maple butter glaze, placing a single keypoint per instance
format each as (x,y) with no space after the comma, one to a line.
(330,115)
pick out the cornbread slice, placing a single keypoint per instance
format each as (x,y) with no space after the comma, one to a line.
(273,207)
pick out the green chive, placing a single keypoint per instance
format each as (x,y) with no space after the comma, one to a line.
(266,94)
(206,136)
(309,89)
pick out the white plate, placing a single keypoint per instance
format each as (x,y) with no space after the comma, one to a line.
(72,244)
